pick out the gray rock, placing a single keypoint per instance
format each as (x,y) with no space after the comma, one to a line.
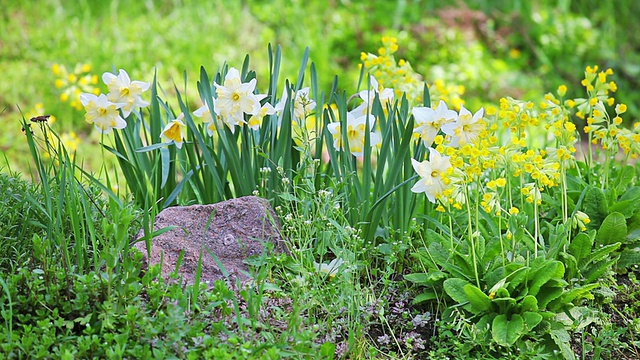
(233,230)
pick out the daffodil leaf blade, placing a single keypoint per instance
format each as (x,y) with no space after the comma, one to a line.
(150,147)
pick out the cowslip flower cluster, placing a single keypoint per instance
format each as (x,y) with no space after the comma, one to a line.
(106,112)
(601,128)
(399,75)
(74,83)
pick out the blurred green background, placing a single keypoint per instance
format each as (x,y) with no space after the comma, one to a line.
(496,48)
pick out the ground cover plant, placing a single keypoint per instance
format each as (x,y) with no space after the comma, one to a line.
(419,225)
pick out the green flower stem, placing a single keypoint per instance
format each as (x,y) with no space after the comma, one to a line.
(536,225)
(473,243)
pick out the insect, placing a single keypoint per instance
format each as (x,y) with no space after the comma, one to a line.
(40,118)
(28,127)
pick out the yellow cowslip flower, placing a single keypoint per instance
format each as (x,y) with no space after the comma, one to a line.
(580,220)
(621,109)
(56,69)
(562,90)
(514,211)
(440,208)
(602,77)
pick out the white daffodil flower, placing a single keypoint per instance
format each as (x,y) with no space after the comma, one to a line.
(431,171)
(102,113)
(368,96)
(331,269)
(356,129)
(123,90)
(255,121)
(466,129)
(204,113)
(430,121)
(235,99)
(174,131)
(302,103)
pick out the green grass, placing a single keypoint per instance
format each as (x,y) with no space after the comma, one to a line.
(21,218)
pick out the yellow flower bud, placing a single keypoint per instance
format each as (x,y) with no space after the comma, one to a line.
(562,90)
